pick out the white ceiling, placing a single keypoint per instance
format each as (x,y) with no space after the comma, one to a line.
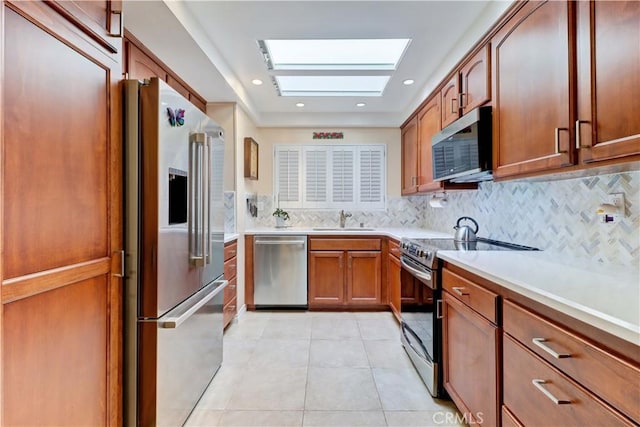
(212,45)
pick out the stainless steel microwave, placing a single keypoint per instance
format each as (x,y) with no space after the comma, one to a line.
(461,152)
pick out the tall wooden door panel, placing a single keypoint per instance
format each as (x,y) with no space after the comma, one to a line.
(532,128)
(608,79)
(61,221)
(326,277)
(363,277)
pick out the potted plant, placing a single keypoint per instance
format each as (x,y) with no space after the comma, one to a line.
(281,217)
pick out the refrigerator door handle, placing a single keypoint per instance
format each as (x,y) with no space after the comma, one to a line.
(184,313)
(197,191)
(207,171)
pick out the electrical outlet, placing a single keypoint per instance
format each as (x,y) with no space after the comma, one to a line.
(616,199)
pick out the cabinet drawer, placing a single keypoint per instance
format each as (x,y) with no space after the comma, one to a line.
(508,419)
(231,290)
(230,268)
(480,299)
(230,250)
(394,248)
(533,404)
(229,311)
(609,377)
(344,244)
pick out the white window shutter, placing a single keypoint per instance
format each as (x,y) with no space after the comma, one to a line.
(288,177)
(316,170)
(371,182)
(343,169)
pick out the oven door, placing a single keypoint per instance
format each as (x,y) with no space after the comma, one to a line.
(421,324)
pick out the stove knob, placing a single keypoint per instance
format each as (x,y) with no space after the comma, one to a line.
(427,254)
(419,253)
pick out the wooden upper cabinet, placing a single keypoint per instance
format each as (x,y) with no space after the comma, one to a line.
(428,126)
(532,123)
(468,88)
(450,100)
(410,157)
(475,78)
(99,20)
(608,40)
(140,66)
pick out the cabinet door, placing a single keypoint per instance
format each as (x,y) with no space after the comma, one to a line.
(428,125)
(394,269)
(449,95)
(326,278)
(363,277)
(470,351)
(476,84)
(410,157)
(140,66)
(608,79)
(532,91)
(61,222)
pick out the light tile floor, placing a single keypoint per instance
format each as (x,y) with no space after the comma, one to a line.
(318,369)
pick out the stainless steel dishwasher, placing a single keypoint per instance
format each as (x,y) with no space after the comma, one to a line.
(280,271)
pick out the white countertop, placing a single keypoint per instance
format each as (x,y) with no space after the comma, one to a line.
(606,297)
(230,237)
(395,233)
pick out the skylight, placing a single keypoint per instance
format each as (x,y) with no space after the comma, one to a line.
(331,85)
(335,67)
(338,54)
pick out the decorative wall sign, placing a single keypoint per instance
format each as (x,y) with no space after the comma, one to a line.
(328,135)
(250,158)
(176,117)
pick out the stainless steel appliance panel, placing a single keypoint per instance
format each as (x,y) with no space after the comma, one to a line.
(170,153)
(188,353)
(280,270)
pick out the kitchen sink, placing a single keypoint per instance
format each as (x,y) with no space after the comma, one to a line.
(343,229)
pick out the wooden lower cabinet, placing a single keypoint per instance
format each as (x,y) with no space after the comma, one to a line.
(363,277)
(471,362)
(326,278)
(538,394)
(342,276)
(394,272)
(230,305)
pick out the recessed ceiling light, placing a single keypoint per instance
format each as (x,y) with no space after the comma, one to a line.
(256,82)
(408,82)
(360,104)
(300,104)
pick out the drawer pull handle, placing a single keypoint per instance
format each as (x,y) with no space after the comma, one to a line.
(538,384)
(460,290)
(540,343)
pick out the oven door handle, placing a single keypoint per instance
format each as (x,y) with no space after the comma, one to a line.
(420,274)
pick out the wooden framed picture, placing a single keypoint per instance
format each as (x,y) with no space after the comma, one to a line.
(250,158)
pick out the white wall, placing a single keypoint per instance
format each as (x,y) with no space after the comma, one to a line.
(224,114)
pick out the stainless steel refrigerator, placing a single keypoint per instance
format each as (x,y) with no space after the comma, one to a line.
(174,234)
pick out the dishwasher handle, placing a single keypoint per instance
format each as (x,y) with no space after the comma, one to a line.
(280,242)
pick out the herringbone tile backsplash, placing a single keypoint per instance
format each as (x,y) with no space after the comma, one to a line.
(558,216)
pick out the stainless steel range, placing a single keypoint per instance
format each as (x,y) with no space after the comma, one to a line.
(422,301)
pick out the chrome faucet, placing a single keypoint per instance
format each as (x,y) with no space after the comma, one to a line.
(343,217)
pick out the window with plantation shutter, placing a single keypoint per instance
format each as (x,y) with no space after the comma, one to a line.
(371,177)
(287,169)
(330,176)
(315,172)
(342,177)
